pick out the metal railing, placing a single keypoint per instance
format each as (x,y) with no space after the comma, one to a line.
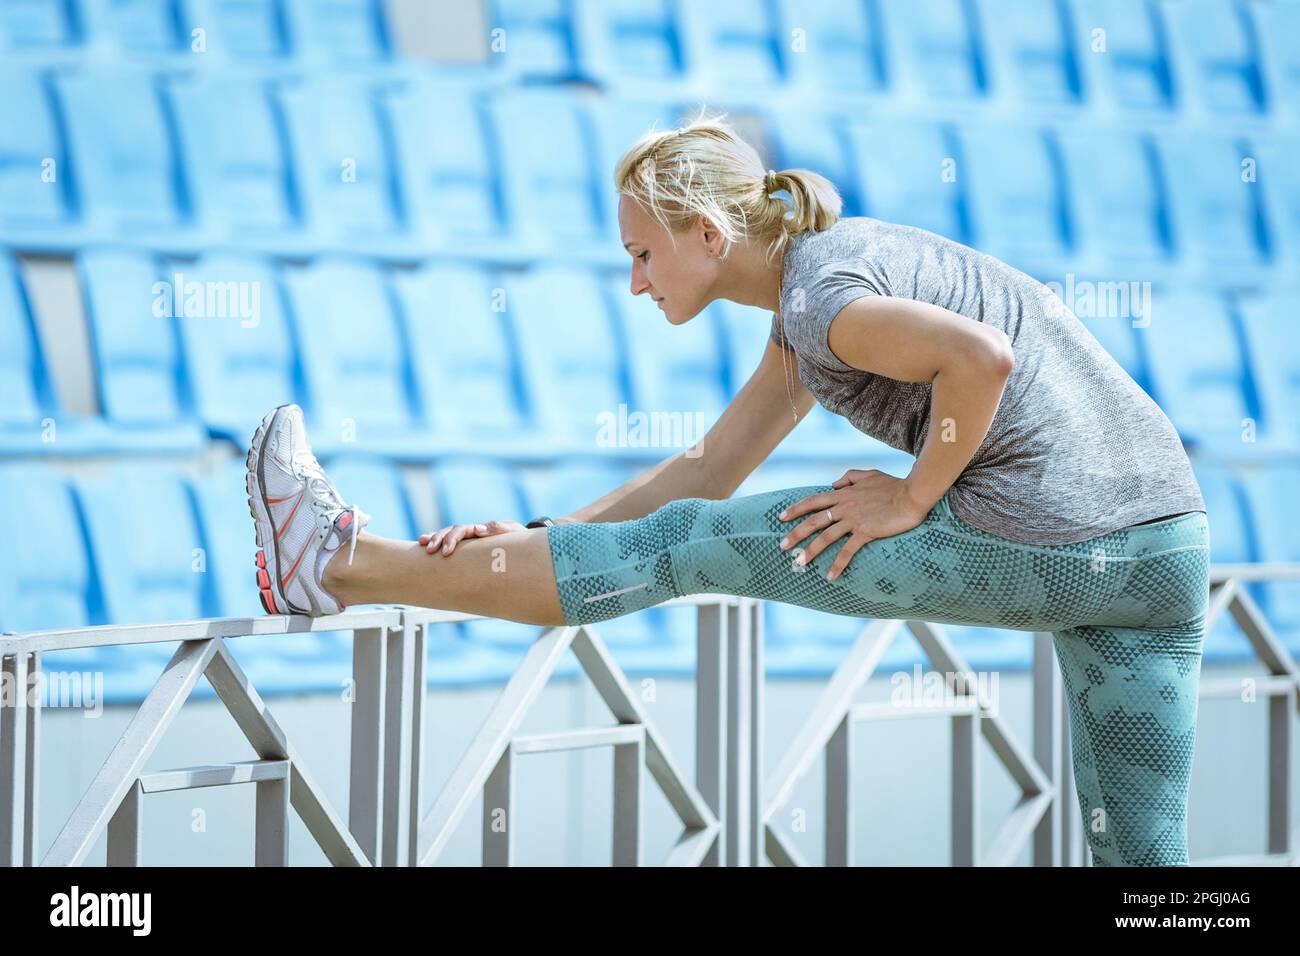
(727,813)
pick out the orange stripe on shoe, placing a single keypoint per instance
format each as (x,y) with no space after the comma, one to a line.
(285,525)
(285,580)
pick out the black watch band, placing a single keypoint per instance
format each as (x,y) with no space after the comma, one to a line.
(542,522)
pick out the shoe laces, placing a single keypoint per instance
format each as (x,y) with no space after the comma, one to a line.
(323,490)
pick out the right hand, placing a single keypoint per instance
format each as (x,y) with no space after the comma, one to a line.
(450,535)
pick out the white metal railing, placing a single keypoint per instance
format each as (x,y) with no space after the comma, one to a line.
(727,813)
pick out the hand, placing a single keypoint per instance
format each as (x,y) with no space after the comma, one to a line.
(451,534)
(865,505)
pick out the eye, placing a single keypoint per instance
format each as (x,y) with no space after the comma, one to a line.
(644,254)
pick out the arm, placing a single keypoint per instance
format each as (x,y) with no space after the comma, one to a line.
(968,363)
(754,423)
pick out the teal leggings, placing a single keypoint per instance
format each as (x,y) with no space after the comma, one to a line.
(1126,611)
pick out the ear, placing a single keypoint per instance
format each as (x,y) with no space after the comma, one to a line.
(713,240)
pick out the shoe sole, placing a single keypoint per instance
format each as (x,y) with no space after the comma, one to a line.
(268,584)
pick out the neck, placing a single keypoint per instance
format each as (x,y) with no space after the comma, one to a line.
(751,279)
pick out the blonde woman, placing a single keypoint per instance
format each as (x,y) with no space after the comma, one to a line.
(1049,493)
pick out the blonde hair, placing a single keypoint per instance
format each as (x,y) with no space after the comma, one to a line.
(705,169)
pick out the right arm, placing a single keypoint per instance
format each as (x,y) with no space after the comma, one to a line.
(753,424)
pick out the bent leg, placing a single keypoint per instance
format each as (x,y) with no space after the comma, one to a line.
(1132,696)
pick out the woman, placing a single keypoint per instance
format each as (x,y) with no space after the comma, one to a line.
(1049,492)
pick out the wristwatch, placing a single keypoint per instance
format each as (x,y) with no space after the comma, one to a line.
(542,522)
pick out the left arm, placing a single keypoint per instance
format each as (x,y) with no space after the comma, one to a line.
(968,363)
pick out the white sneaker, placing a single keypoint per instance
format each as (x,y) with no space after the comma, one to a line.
(300,519)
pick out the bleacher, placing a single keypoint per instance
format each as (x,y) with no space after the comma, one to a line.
(434,259)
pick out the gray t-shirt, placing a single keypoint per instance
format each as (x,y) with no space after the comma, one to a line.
(1076,448)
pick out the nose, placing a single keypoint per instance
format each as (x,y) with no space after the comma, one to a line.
(639,284)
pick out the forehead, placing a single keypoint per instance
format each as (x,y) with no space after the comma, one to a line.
(635,224)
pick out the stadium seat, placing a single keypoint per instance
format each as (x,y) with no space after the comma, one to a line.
(814,140)
(1217,216)
(1269,326)
(1232,541)
(550,193)
(467,377)
(1278,28)
(843,47)
(450,176)
(572,378)
(33,165)
(26,389)
(535,39)
(343,32)
(1126,52)
(902,166)
(124,162)
(732,46)
(936,47)
(624,42)
(1270,493)
(355,360)
(1216,54)
(1033,51)
(139,27)
(676,372)
(1279,182)
(27,25)
(230,543)
(133,340)
(46,584)
(343,167)
(1016,194)
(235,161)
(245,29)
(1115,197)
(1198,371)
(241,362)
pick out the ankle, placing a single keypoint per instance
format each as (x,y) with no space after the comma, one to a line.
(339,577)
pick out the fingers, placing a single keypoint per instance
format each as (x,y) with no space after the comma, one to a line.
(822,541)
(811,525)
(850,548)
(818,502)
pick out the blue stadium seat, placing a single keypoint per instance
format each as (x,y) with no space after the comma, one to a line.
(351,32)
(230,583)
(448,166)
(1278,27)
(38,24)
(1016,194)
(536,38)
(1198,371)
(676,372)
(572,377)
(1115,195)
(1216,52)
(145,541)
(732,46)
(123,159)
(1232,541)
(467,376)
(1134,71)
(1217,215)
(550,193)
(26,390)
(236,166)
(344,170)
(46,583)
(624,41)
(621,120)
(33,165)
(133,339)
(1033,50)
(358,383)
(240,363)
(901,167)
(1270,493)
(1269,327)
(375,485)
(811,140)
(150,27)
(936,47)
(245,29)
(844,46)
(1279,179)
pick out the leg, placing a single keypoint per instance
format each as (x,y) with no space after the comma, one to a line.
(1132,701)
(507,576)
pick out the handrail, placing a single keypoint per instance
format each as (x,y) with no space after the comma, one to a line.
(728,813)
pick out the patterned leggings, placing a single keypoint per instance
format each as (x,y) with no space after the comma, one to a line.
(1126,611)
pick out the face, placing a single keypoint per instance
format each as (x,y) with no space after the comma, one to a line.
(680,278)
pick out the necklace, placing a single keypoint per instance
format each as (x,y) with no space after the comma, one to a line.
(785,361)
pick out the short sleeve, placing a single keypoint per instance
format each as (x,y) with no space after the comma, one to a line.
(810,308)
(777,338)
